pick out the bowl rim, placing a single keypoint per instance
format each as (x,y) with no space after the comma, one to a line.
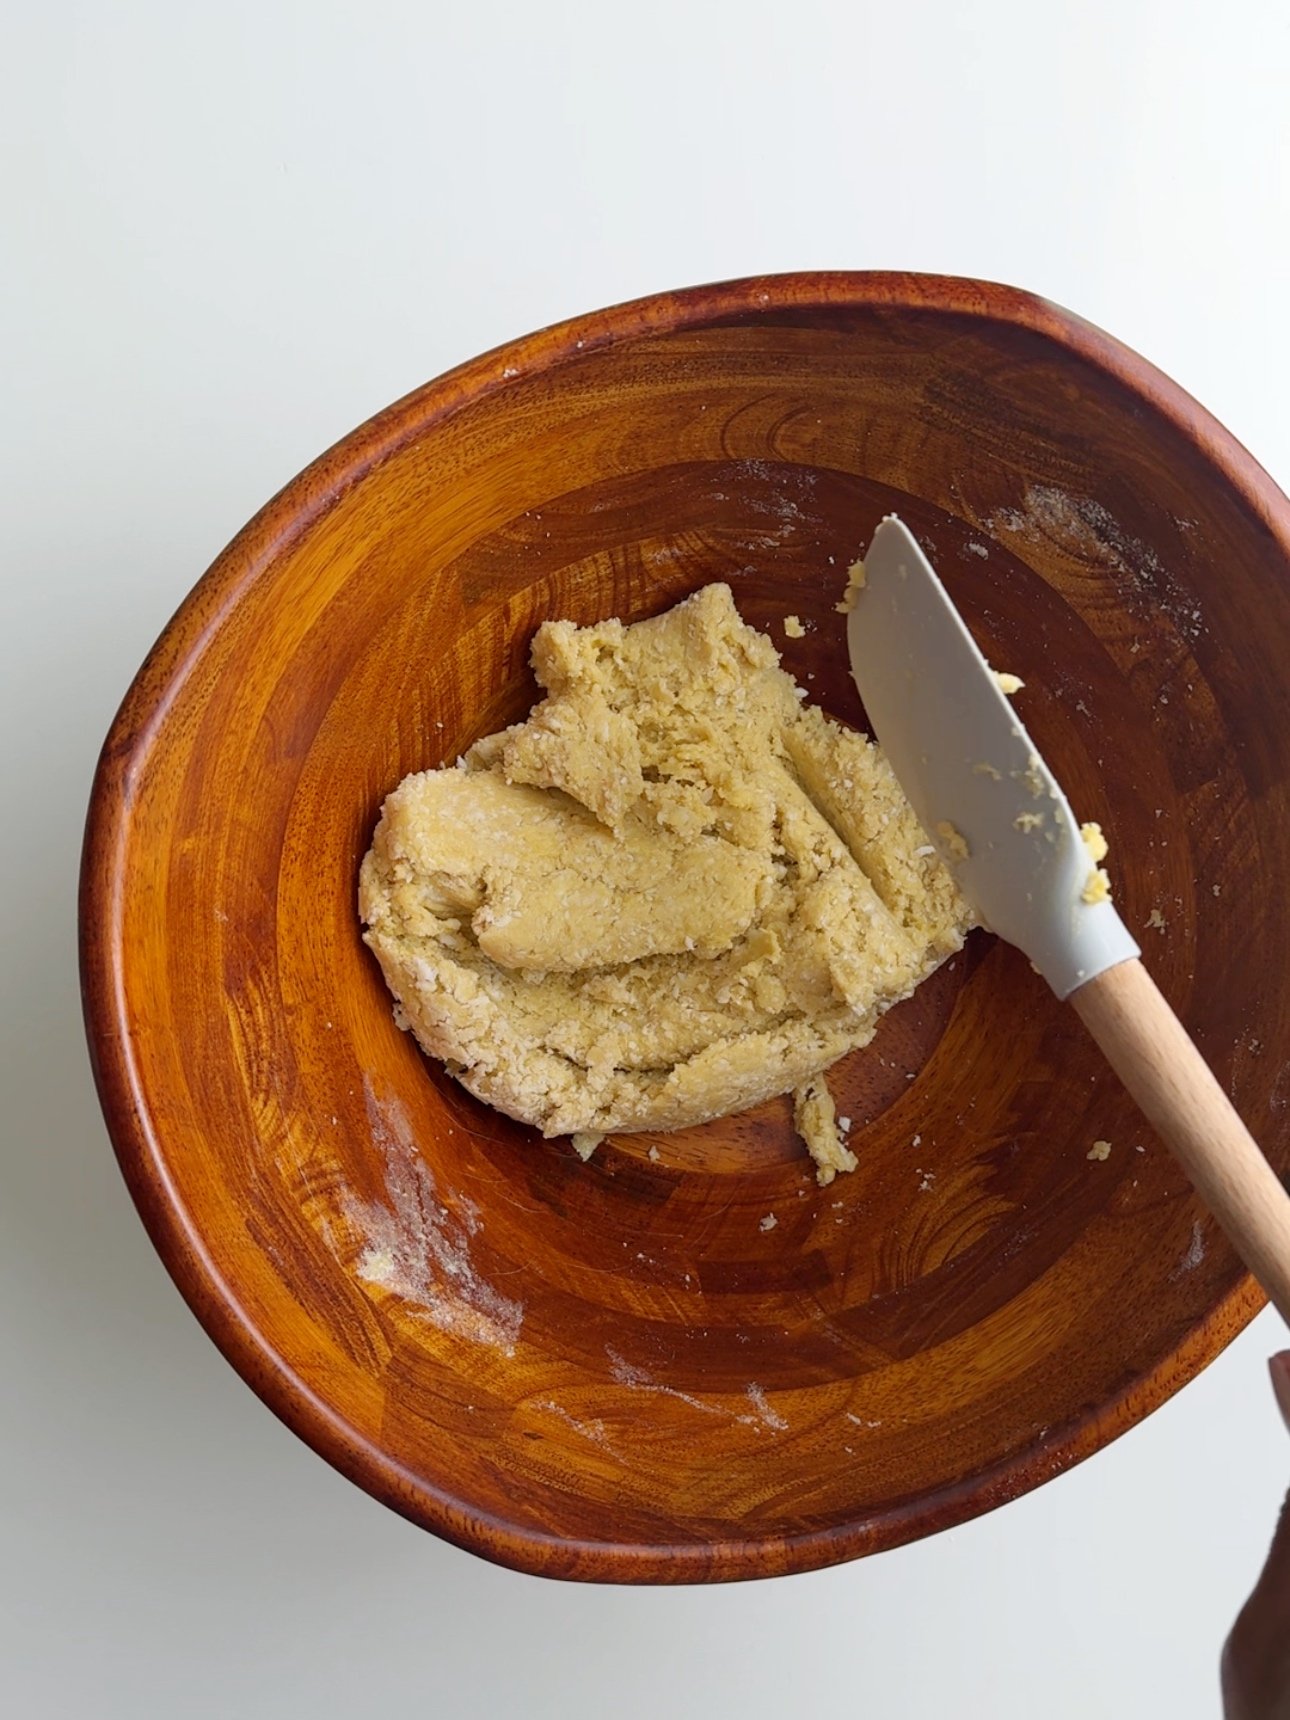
(104,884)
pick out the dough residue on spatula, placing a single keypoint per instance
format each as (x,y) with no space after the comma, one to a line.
(674,891)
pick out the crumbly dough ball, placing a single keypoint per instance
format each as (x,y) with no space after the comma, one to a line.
(672,892)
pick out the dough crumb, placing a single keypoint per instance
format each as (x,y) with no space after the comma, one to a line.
(855,585)
(585,1142)
(1098,887)
(1033,776)
(1092,838)
(1099,1151)
(767,1223)
(1029,821)
(816,1122)
(954,840)
(793,628)
(1156,920)
(1008,684)
(984,769)
(653,1155)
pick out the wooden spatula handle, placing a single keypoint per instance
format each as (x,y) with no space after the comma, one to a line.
(1148,1047)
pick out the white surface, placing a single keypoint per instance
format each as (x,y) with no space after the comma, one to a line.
(230,233)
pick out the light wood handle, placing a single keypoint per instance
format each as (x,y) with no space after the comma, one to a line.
(1148,1047)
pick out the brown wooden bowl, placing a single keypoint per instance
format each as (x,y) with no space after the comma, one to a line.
(616,1370)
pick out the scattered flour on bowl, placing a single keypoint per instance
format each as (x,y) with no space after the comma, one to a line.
(627,1373)
(418,1249)
(590,1430)
(1195,1251)
(772,1418)
(787,488)
(1088,529)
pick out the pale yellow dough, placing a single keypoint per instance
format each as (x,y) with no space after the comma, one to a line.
(1098,886)
(854,586)
(815,1118)
(674,891)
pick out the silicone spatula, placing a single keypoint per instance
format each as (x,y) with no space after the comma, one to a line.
(998,817)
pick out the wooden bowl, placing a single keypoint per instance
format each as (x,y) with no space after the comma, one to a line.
(622,1370)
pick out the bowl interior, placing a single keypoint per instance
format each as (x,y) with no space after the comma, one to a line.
(623,1369)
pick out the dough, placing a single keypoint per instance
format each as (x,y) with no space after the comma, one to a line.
(854,586)
(816,1120)
(1098,886)
(674,891)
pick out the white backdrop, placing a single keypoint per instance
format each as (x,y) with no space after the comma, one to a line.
(230,232)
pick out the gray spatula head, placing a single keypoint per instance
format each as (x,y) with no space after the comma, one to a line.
(972,773)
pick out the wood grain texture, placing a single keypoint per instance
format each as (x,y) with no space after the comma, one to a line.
(613,1371)
(1148,1047)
